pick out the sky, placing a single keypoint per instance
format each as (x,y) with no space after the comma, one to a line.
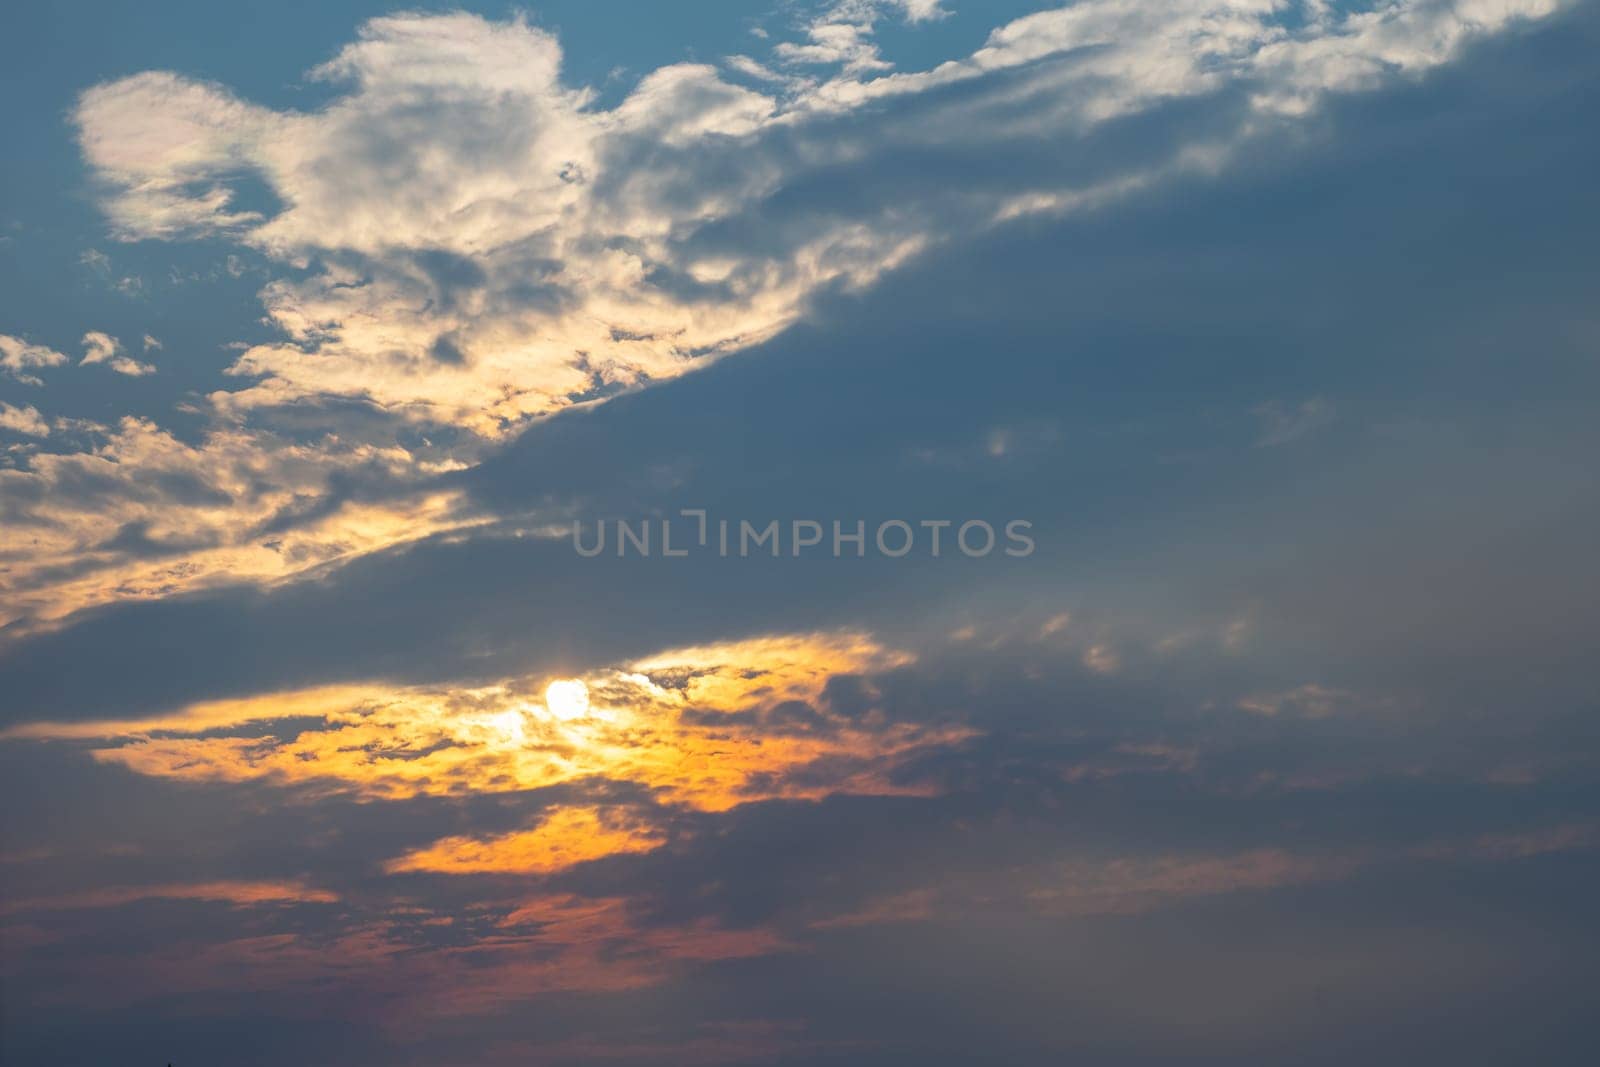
(854,532)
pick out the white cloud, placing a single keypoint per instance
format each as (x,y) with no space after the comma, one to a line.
(156,134)
(103,348)
(488,245)
(18,357)
(24,420)
(462,238)
(144,514)
(99,347)
(848,44)
(921,10)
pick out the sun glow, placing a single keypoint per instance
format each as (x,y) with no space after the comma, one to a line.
(508,724)
(706,728)
(567,698)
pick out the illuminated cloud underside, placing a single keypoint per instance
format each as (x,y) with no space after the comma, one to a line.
(706,728)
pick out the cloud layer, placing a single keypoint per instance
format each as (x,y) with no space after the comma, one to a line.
(463,240)
(478,242)
(319,744)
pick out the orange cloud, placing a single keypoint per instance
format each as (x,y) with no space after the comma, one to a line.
(228,892)
(702,727)
(565,837)
(549,944)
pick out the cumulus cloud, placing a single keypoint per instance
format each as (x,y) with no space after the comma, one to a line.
(18,357)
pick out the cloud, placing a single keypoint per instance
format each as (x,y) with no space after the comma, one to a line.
(828,415)
(1280,424)
(1102,659)
(707,728)
(1312,700)
(921,10)
(1133,884)
(143,513)
(841,35)
(767,826)
(99,347)
(462,240)
(563,838)
(103,348)
(833,41)
(230,892)
(97,261)
(17,357)
(24,420)
(460,198)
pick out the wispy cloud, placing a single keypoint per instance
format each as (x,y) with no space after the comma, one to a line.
(1281,424)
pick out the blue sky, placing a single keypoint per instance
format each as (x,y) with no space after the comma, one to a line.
(322,326)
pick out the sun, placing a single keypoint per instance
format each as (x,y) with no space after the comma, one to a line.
(567,698)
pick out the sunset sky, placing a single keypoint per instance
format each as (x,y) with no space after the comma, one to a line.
(1262,335)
